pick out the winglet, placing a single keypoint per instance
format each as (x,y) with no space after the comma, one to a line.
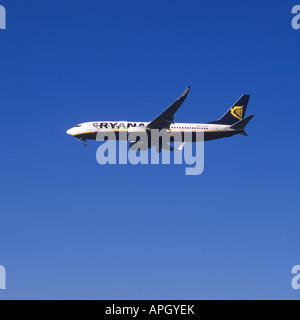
(181,146)
(186,92)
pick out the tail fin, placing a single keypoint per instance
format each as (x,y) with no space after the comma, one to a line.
(236,112)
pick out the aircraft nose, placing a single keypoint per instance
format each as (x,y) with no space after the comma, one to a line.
(70,132)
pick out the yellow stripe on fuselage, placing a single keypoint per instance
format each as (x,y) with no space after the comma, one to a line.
(170,131)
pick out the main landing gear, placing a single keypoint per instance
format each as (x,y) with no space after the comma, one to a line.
(84,143)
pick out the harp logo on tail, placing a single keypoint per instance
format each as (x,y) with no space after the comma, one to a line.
(237,112)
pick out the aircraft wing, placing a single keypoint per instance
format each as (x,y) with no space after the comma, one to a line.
(165,119)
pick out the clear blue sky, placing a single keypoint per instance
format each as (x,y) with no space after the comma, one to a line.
(72,229)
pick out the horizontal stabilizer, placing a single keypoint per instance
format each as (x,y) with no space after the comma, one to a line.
(240,125)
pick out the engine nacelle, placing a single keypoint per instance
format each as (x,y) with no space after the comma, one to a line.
(138,145)
(138,137)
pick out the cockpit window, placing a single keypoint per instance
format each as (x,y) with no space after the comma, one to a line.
(79,125)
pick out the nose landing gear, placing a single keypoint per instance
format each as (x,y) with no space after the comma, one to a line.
(82,140)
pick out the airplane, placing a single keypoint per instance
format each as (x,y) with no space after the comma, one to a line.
(231,123)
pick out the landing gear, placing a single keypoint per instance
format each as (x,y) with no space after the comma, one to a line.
(84,143)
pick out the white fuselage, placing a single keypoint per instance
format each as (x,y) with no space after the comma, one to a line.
(89,128)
